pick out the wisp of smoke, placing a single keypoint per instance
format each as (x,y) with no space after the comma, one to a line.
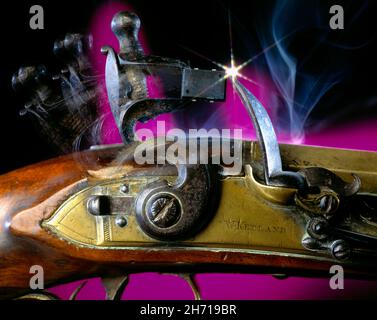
(304,62)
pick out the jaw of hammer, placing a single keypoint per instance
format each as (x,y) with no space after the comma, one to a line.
(142,87)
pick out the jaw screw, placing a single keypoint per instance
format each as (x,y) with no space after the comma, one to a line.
(340,250)
(164,211)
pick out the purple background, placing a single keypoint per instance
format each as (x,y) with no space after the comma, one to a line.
(362,135)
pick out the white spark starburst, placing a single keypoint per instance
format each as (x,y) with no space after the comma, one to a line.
(233,70)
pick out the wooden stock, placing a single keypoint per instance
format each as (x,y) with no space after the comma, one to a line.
(31,194)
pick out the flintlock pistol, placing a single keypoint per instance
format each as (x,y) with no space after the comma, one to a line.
(291,209)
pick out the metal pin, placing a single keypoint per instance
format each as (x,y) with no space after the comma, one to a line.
(121,221)
(124,188)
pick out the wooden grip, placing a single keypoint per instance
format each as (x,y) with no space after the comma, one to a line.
(23,190)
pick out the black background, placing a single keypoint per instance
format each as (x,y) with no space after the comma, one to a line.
(169,25)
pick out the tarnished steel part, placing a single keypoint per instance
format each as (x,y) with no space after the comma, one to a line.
(165,211)
(126,26)
(63,106)
(124,83)
(113,85)
(115,286)
(273,170)
(326,202)
(339,249)
(318,228)
(325,191)
(190,279)
(359,218)
(195,199)
(74,294)
(126,80)
(265,131)
(101,205)
(335,210)
(206,84)
(144,110)
(57,123)
(317,177)
(27,78)
(72,50)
